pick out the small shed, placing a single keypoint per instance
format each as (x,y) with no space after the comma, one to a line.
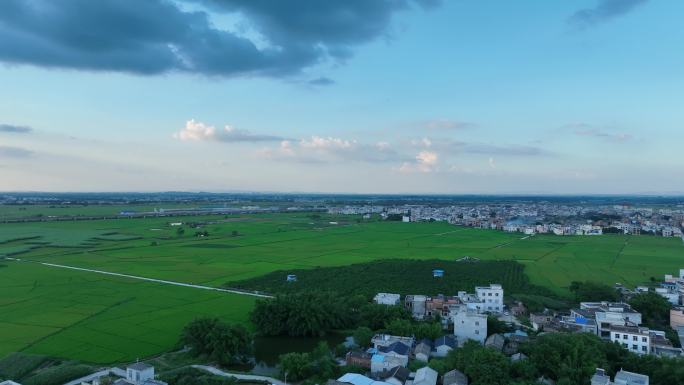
(291,278)
(438,273)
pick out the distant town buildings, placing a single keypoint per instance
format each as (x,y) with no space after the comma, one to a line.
(531,218)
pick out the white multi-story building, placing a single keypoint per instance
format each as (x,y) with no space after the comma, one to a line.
(492,297)
(636,339)
(387,299)
(469,324)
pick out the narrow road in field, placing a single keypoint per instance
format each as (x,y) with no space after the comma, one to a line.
(162,281)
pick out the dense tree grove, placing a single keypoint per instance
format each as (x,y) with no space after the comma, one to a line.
(593,291)
(306,314)
(393,276)
(655,313)
(315,313)
(654,309)
(218,341)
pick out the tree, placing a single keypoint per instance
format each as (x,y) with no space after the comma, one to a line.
(305,314)
(375,316)
(431,331)
(362,336)
(234,233)
(482,365)
(571,356)
(180,231)
(654,309)
(494,326)
(294,366)
(224,343)
(593,291)
(400,327)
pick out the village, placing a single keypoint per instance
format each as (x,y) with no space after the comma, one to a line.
(537,217)
(464,319)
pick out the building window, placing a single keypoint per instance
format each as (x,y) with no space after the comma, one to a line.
(624,336)
(477,332)
(617,335)
(624,346)
(477,323)
(497,294)
(634,347)
(643,339)
(643,349)
(635,338)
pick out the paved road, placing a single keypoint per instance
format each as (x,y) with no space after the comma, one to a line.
(101,373)
(239,376)
(162,281)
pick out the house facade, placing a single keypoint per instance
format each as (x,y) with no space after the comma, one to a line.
(469,324)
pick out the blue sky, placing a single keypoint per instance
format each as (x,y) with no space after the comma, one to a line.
(387,96)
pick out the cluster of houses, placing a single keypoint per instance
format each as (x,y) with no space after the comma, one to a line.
(466,312)
(388,357)
(618,322)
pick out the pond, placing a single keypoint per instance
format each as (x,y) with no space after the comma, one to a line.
(268,349)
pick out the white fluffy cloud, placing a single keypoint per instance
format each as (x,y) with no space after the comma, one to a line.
(425,161)
(319,149)
(198,131)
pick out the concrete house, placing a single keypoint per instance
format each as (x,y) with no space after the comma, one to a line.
(360,359)
(443,345)
(454,377)
(358,379)
(389,299)
(622,377)
(423,350)
(633,338)
(495,341)
(492,297)
(381,363)
(139,374)
(395,376)
(604,315)
(416,305)
(469,324)
(425,376)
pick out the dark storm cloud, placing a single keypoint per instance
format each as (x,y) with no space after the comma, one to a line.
(156,36)
(603,11)
(13,128)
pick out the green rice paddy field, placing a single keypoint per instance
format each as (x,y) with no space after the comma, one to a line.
(103,319)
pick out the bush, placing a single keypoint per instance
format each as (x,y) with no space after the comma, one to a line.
(17,365)
(58,375)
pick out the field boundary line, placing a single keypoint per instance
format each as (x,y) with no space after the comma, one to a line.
(82,320)
(155,280)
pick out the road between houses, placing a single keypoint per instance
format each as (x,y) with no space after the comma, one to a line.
(162,281)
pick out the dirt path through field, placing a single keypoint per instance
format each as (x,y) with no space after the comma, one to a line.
(162,281)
